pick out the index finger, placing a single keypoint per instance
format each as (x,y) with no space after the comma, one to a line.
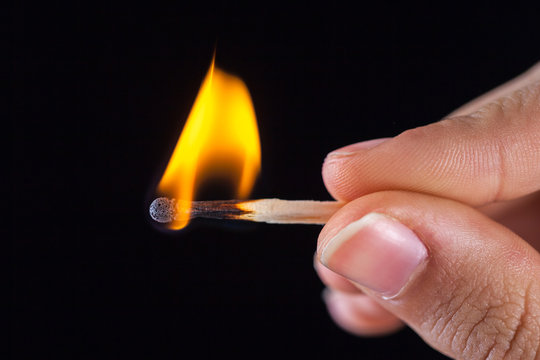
(492,154)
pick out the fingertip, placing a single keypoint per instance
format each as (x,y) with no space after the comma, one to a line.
(337,172)
(359,314)
(331,173)
(336,168)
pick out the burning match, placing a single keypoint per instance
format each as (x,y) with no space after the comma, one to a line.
(273,211)
(220,140)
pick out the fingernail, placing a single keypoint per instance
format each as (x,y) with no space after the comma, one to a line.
(353,148)
(377,252)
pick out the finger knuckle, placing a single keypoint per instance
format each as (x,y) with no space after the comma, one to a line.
(486,322)
(505,150)
(515,106)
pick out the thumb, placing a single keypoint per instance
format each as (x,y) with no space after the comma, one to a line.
(467,285)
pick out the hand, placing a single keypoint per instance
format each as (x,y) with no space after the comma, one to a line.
(442,229)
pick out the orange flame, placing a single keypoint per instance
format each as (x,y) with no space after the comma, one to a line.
(220,137)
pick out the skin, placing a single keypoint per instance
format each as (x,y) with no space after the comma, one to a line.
(469,189)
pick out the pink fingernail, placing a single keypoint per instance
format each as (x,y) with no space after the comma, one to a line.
(377,252)
(353,148)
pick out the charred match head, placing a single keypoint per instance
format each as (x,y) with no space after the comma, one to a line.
(163,210)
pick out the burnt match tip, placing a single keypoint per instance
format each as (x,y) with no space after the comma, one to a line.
(163,210)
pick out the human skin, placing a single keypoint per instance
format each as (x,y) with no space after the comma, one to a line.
(441,231)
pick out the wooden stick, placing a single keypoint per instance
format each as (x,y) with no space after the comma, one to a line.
(274,211)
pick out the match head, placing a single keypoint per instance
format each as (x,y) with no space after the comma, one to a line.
(163,210)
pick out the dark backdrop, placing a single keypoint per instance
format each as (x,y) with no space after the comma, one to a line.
(100,92)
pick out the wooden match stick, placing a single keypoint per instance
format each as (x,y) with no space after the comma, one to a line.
(274,211)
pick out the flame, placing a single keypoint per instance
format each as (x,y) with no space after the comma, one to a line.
(220,137)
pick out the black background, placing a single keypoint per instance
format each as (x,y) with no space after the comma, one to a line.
(100,93)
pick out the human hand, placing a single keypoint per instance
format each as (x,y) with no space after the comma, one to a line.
(442,229)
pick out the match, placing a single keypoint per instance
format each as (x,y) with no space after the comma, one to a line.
(273,211)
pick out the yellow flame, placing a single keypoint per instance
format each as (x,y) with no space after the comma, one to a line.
(220,137)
